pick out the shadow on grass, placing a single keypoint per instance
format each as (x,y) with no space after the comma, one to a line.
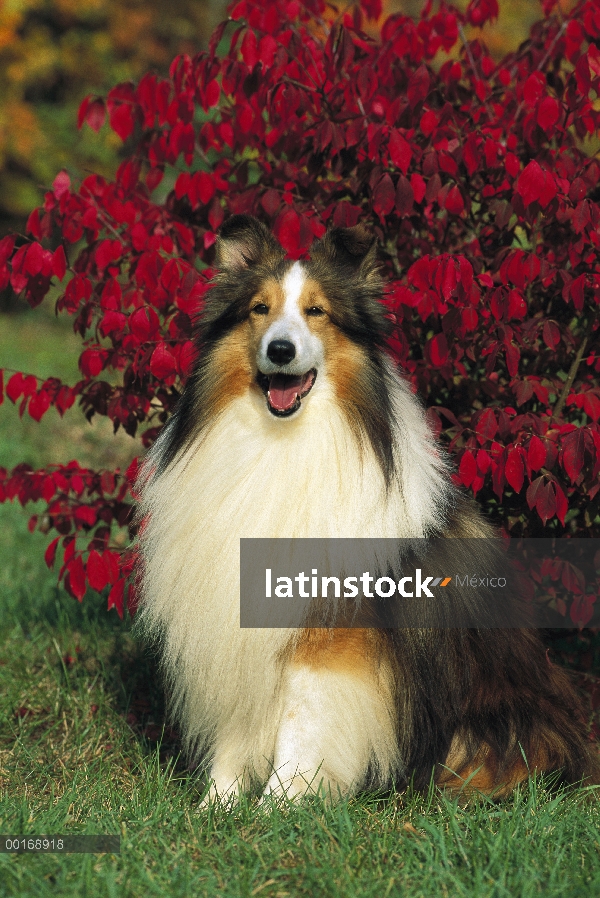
(93,638)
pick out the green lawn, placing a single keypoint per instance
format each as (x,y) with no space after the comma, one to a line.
(78,700)
(84,749)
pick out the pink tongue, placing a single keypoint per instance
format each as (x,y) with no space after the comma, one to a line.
(283,391)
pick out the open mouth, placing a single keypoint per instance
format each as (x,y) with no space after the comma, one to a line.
(285,392)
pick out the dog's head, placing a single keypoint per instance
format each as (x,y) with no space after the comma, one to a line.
(301,321)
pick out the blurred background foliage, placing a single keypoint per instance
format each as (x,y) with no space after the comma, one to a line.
(55,52)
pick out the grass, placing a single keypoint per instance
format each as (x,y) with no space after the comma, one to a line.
(84,749)
(78,696)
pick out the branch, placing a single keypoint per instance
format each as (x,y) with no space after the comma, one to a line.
(473,64)
(558,408)
(392,251)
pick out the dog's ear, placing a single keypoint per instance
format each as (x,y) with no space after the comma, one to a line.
(351,248)
(243,241)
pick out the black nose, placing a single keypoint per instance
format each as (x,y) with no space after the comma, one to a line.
(281,352)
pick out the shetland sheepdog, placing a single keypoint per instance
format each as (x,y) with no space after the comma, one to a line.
(295,423)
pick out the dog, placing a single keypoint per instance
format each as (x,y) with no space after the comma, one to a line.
(295,423)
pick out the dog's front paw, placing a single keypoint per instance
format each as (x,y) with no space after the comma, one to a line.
(221,794)
(299,786)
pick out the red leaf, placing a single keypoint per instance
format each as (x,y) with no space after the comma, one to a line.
(418,185)
(61,184)
(562,506)
(144,323)
(400,151)
(373,8)
(533,491)
(162,362)
(59,263)
(86,515)
(514,470)
(121,119)
(249,49)
(384,197)
(487,424)
(548,112)
(271,201)
(513,356)
(96,114)
(39,405)
(206,187)
(591,405)
(96,570)
(115,597)
(549,190)
(572,578)
(267,49)
(212,94)
(93,112)
(112,321)
(64,399)
(517,307)
(83,108)
(454,202)
(14,387)
(428,122)
(50,553)
(533,88)
(132,472)
(546,502)
(480,11)
(531,182)
(111,562)
(573,452)
(551,334)
(576,292)
(91,362)
(536,454)
(437,349)
(404,196)
(471,156)
(468,468)
(582,610)
(75,579)
(418,86)
(581,216)
(287,229)
(34,259)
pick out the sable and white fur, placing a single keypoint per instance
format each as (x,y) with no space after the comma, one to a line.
(299,710)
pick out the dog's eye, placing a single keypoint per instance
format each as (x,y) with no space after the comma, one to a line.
(314,311)
(260,309)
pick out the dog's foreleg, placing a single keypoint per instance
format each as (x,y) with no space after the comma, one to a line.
(336,727)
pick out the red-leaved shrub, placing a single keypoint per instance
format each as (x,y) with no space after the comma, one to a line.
(473,174)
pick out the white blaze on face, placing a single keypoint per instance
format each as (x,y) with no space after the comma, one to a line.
(291,325)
